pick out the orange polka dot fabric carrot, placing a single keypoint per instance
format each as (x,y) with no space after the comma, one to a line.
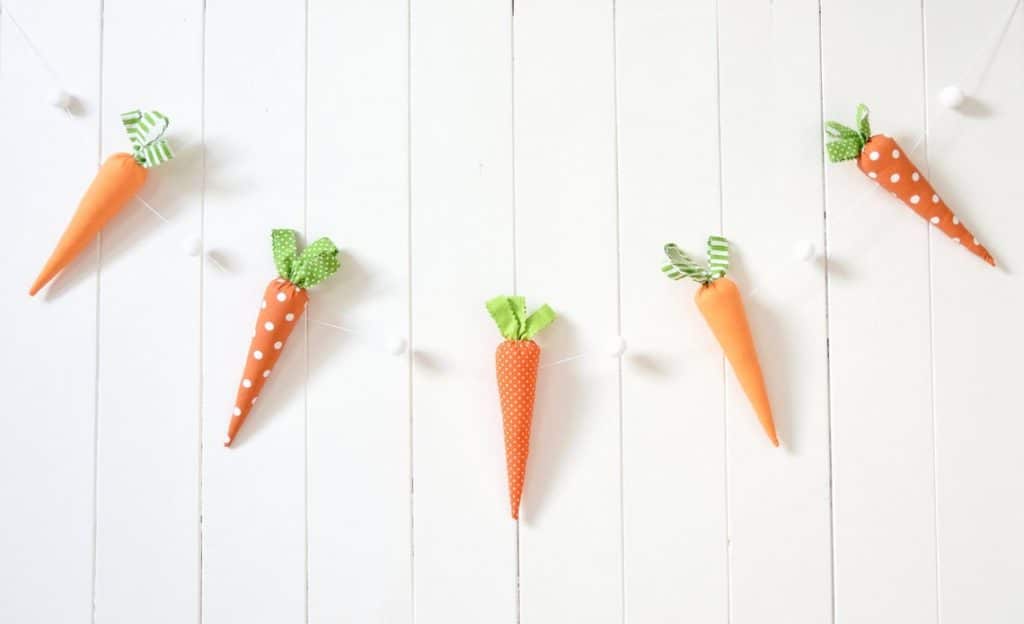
(882,159)
(281,308)
(516,362)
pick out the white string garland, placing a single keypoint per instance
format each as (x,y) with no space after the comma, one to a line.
(804,251)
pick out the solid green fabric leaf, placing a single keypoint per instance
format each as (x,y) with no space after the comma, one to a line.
(541,318)
(509,313)
(518,306)
(504,316)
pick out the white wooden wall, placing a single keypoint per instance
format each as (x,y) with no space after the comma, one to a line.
(455,151)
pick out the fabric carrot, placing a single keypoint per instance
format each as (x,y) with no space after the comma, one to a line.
(118,180)
(282,306)
(880,158)
(516,362)
(719,301)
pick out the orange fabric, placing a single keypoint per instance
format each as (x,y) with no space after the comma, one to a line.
(517,362)
(722,307)
(282,307)
(884,161)
(117,181)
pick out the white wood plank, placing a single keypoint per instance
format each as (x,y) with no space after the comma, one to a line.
(779,516)
(570,529)
(674,515)
(147,458)
(461,120)
(49,363)
(254,512)
(973,160)
(359,480)
(882,452)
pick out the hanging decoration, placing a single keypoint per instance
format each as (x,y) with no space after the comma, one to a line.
(880,158)
(283,304)
(719,301)
(516,361)
(118,180)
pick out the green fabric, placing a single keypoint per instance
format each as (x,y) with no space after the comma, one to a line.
(509,313)
(317,262)
(681,265)
(146,131)
(847,143)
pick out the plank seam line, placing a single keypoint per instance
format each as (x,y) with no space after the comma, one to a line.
(96,351)
(305,380)
(828,326)
(411,361)
(618,306)
(517,598)
(721,228)
(202,306)
(931,315)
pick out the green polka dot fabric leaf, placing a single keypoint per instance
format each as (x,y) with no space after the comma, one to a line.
(847,143)
(317,262)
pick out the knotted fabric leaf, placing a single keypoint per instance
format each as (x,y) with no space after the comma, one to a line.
(145,131)
(509,314)
(317,262)
(847,143)
(680,265)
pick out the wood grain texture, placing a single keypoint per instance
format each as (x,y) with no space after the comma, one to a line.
(457,150)
(253,494)
(673,428)
(461,113)
(149,299)
(566,220)
(975,163)
(358,437)
(879,333)
(49,364)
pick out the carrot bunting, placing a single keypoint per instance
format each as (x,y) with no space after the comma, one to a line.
(516,361)
(118,180)
(882,159)
(719,301)
(283,304)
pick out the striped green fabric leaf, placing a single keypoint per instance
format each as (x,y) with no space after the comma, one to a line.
(718,256)
(145,131)
(680,265)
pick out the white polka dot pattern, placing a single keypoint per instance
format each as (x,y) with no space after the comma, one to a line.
(517,362)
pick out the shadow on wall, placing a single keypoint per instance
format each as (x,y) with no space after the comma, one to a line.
(558,418)
(135,222)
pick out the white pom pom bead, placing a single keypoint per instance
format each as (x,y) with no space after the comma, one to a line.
(192,245)
(616,347)
(952,96)
(395,345)
(804,251)
(59,98)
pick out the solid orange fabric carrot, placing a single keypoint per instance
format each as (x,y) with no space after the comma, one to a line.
(118,180)
(880,158)
(516,361)
(283,304)
(719,301)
